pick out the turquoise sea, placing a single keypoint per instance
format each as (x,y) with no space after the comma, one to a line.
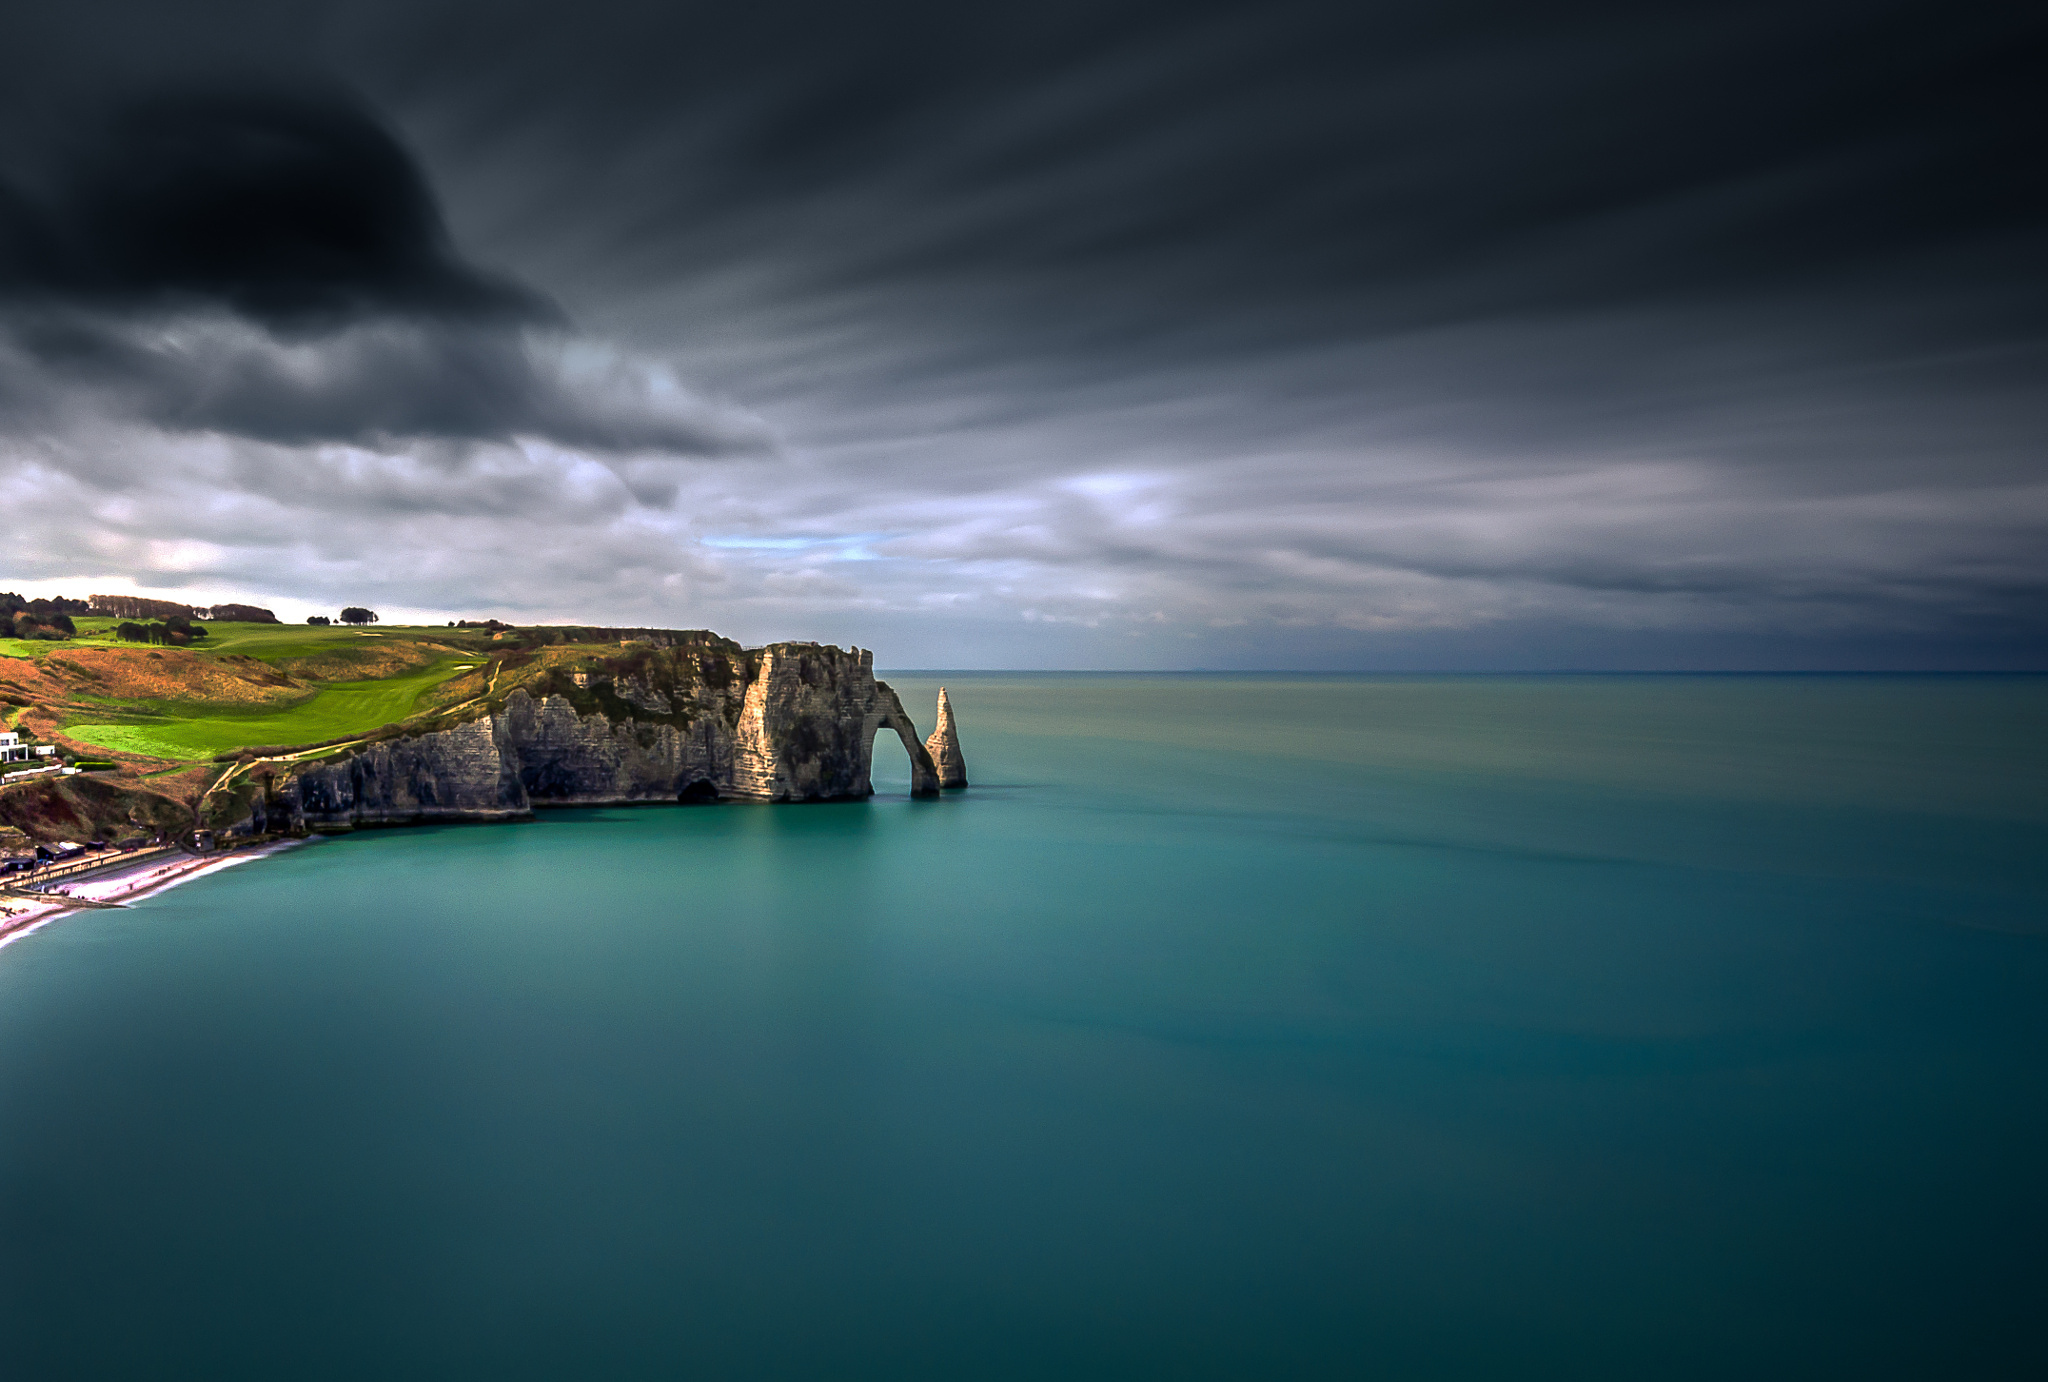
(1229,1026)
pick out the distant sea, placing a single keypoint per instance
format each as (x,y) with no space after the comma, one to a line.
(1227,1027)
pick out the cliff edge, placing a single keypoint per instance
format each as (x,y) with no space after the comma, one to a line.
(698,720)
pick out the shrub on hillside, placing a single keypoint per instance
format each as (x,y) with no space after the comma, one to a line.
(48,619)
(241,614)
(320,619)
(176,632)
(52,627)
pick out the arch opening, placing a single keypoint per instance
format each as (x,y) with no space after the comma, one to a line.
(888,775)
(888,763)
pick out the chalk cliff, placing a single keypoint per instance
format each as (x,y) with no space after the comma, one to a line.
(944,746)
(701,720)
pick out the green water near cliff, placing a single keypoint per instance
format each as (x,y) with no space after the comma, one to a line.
(1229,1026)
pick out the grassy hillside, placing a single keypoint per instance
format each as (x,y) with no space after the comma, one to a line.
(196,730)
(164,713)
(243,685)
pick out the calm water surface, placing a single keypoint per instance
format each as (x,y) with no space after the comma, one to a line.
(1228,1027)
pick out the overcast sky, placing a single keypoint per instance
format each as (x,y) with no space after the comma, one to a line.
(1090,335)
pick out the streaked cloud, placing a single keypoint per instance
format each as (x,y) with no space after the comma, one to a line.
(1172,335)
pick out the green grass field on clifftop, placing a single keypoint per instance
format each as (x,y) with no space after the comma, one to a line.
(337,710)
(356,680)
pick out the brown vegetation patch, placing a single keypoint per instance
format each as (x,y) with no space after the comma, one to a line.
(370,662)
(175,674)
(456,690)
(185,786)
(87,808)
(24,682)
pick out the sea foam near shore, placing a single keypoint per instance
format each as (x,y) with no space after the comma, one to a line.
(21,916)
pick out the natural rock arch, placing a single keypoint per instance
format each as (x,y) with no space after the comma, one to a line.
(889,714)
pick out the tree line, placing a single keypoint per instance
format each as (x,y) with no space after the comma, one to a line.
(143,619)
(142,607)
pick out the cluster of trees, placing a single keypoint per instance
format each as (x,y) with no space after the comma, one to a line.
(241,614)
(23,618)
(11,603)
(320,619)
(176,631)
(141,607)
(31,624)
(354,614)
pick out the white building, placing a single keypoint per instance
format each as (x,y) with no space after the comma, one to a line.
(12,750)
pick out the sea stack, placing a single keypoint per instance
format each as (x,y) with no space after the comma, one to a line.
(944,747)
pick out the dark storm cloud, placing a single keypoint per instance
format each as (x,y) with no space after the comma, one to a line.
(1339,318)
(142,244)
(296,211)
(1408,163)
(376,383)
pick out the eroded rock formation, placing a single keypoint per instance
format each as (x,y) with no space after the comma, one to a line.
(698,721)
(944,746)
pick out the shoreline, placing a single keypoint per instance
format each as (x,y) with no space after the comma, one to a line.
(19,916)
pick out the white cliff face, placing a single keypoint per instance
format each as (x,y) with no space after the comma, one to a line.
(754,765)
(944,746)
(807,727)
(790,722)
(458,774)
